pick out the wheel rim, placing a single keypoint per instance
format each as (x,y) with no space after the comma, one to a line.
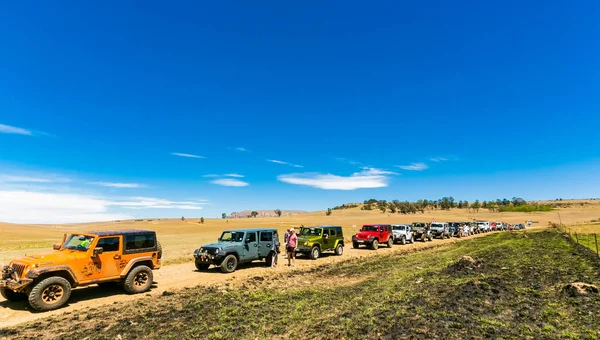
(141,279)
(315,253)
(230,264)
(340,250)
(53,294)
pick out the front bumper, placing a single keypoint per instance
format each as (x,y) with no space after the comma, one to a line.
(17,286)
(303,250)
(206,258)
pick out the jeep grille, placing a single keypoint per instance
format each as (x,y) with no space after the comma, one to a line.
(18,268)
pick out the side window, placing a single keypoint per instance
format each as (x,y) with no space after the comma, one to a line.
(135,242)
(109,244)
(251,237)
(266,236)
(331,232)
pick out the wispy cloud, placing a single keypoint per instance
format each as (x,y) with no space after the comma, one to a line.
(156,203)
(351,162)
(235,175)
(15,130)
(240,149)
(438,159)
(225,175)
(366,179)
(188,155)
(414,167)
(230,182)
(284,163)
(119,185)
(32,178)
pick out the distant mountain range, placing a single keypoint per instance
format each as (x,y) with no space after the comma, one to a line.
(263,213)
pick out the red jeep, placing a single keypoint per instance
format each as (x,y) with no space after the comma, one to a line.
(371,235)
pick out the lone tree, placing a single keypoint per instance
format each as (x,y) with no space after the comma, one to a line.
(277,212)
(182,219)
(254,213)
(201,220)
(328,212)
(475,206)
(223,215)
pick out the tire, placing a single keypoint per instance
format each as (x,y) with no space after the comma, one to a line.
(355,245)
(201,265)
(390,242)
(339,250)
(229,264)
(269,260)
(375,245)
(403,240)
(412,240)
(12,296)
(49,294)
(430,238)
(139,280)
(159,250)
(315,253)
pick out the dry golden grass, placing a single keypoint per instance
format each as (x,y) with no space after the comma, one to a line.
(179,239)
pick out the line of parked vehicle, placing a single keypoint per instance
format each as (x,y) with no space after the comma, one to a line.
(234,247)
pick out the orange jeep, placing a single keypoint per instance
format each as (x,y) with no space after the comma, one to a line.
(83,259)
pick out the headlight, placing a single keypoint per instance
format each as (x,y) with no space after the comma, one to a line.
(306,243)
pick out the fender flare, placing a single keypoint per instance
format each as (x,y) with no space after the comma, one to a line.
(37,272)
(131,264)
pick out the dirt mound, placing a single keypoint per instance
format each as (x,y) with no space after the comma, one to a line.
(465,264)
(576,289)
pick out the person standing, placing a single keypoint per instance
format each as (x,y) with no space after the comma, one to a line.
(286,238)
(276,250)
(291,248)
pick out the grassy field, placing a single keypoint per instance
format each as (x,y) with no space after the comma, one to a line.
(514,290)
(179,239)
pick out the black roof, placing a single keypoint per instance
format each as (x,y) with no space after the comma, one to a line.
(120,232)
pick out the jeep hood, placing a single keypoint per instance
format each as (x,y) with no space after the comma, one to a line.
(366,234)
(224,245)
(53,258)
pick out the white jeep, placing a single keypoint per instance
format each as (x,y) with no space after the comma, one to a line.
(402,233)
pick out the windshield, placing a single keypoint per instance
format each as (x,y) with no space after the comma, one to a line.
(398,227)
(370,228)
(232,236)
(310,232)
(437,225)
(79,242)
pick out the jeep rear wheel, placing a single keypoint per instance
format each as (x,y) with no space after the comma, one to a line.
(375,244)
(269,259)
(403,240)
(201,265)
(229,264)
(412,240)
(390,242)
(339,250)
(51,293)
(315,252)
(11,295)
(139,280)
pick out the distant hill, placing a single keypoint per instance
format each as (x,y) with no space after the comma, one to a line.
(264,213)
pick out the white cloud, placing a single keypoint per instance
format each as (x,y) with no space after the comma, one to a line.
(284,163)
(235,175)
(15,130)
(375,171)
(366,179)
(32,178)
(414,167)
(188,155)
(20,206)
(225,175)
(241,149)
(230,182)
(119,185)
(438,159)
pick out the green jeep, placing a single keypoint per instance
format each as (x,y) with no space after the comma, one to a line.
(312,241)
(238,246)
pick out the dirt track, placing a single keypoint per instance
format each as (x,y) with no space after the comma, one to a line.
(174,277)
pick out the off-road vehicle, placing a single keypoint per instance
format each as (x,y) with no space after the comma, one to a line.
(454,228)
(312,241)
(371,235)
(422,231)
(440,229)
(124,256)
(237,246)
(484,226)
(402,233)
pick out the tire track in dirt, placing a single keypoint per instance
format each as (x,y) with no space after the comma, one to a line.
(173,277)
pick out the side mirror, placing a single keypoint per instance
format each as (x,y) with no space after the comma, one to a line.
(98,251)
(56,246)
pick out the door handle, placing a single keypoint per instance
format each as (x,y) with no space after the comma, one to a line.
(255,245)
(117,257)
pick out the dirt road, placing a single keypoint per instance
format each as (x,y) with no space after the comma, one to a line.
(179,276)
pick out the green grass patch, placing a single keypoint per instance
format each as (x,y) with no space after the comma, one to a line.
(515,292)
(526,208)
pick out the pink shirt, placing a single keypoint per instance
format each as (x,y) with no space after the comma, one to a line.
(292,241)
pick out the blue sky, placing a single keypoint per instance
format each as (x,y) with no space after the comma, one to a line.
(292,105)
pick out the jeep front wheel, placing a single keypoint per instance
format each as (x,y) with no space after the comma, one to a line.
(375,245)
(229,264)
(201,265)
(355,245)
(339,250)
(51,293)
(315,252)
(139,280)
(11,295)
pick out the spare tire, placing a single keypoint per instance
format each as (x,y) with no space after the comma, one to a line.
(159,250)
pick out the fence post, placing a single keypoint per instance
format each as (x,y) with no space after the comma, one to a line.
(596,239)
